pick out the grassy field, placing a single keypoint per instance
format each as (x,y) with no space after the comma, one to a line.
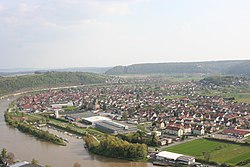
(247,139)
(219,151)
(239,97)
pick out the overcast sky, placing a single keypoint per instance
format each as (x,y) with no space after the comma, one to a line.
(93,33)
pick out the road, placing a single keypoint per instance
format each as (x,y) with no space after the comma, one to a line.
(181,142)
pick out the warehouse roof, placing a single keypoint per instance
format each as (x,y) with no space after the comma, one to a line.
(96,119)
(168,155)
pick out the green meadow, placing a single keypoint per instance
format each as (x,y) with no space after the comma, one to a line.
(219,151)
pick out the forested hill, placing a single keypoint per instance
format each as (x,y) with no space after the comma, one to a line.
(48,79)
(237,67)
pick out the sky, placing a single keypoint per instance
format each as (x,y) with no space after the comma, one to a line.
(104,33)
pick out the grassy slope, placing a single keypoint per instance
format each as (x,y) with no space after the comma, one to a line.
(49,79)
(219,151)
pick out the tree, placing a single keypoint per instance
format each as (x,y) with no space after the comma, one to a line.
(34,161)
(77,164)
(155,139)
(4,153)
(104,106)
(125,116)
(141,134)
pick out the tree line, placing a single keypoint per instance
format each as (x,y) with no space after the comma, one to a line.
(112,146)
(44,135)
(140,137)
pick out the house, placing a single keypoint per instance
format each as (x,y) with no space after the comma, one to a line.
(198,130)
(173,130)
(157,133)
(187,129)
(162,142)
(165,141)
(160,125)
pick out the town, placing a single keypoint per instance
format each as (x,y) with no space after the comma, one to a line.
(169,113)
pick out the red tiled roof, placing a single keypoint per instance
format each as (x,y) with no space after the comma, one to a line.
(28,106)
(172,128)
(236,131)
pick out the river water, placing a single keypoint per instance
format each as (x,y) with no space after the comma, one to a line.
(26,147)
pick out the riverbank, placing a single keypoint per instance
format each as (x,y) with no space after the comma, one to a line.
(27,147)
(19,121)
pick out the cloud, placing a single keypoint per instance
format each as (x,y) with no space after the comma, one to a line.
(49,24)
(117,9)
(3,8)
(73,25)
(42,21)
(9,20)
(111,7)
(24,8)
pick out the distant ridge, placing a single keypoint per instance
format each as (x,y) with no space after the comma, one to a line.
(24,71)
(234,67)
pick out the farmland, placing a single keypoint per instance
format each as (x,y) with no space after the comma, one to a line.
(218,151)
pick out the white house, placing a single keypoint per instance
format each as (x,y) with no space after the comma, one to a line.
(173,130)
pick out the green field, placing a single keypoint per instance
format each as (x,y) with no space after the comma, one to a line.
(219,151)
(247,139)
(240,97)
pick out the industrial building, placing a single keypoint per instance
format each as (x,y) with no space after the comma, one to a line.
(114,127)
(108,126)
(92,120)
(169,158)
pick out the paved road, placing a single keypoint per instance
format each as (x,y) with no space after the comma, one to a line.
(184,141)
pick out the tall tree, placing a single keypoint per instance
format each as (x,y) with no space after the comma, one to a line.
(34,161)
(77,164)
(155,139)
(4,153)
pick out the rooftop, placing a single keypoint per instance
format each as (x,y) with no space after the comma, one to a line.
(96,119)
(169,155)
(19,164)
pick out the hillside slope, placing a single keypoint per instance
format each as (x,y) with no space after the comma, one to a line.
(237,67)
(48,79)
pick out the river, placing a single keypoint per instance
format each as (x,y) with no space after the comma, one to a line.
(26,147)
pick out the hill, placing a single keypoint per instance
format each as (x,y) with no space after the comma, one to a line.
(225,80)
(25,71)
(236,67)
(48,79)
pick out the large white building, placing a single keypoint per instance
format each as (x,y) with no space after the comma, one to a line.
(167,158)
(94,119)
